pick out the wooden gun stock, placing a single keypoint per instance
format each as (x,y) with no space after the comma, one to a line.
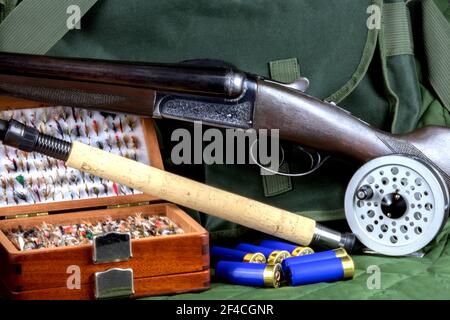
(327,127)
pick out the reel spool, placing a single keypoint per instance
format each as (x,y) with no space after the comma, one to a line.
(396,205)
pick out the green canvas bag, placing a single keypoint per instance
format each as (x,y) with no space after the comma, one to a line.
(368,56)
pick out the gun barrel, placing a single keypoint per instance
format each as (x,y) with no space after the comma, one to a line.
(187,78)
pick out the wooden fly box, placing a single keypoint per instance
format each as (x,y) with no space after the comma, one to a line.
(67,235)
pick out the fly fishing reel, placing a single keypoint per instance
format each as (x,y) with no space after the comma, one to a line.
(396,205)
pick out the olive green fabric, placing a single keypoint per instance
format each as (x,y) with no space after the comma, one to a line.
(381,89)
(36,26)
(431,59)
(250,34)
(285,70)
(277,184)
(396,29)
(6,6)
(398,67)
(369,72)
(433,112)
(437,48)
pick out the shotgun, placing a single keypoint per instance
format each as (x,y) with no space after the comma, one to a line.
(216,94)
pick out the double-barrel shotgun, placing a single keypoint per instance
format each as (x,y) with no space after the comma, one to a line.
(216,94)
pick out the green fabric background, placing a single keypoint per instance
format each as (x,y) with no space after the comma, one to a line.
(248,34)
(328,38)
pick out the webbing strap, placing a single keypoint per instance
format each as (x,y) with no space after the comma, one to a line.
(276,184)
(436,30)
(397,29)
(285,70)
(35,26)
(363,66)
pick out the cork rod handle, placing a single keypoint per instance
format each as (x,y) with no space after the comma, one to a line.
(192,194)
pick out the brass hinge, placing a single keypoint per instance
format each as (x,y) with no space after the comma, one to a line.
(27,215)
(127,205)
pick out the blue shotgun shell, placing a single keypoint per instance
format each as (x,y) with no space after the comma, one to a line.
(293,249)
(226,254)
(272,256)
(321,271)
(249,274)
(324,255)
